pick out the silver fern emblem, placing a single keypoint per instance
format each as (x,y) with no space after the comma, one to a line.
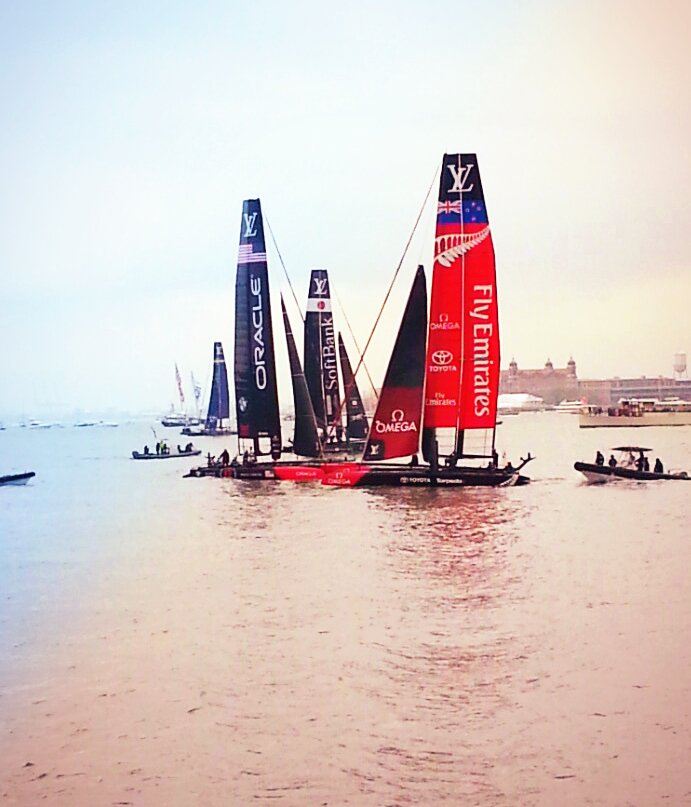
(449,247)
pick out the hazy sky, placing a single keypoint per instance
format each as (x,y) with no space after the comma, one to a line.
(131,132)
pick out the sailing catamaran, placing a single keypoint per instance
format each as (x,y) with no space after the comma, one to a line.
(321,359)
(217,422)
(461,367)
(442,382)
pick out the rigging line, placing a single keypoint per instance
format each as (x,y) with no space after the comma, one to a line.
(398,269)
(393,280)
(285,271)
(297,305)
(352,336)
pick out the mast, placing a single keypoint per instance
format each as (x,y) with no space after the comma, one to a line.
(306,438)
(321,364)
(180,392)
(196,388)
(395,430)
(219,407)
(256,393)
(462,365)
(356,418)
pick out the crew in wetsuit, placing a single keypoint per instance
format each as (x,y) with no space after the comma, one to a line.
(659,468)
(612,461)
(599,458)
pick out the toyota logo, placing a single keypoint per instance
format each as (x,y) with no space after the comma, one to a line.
(442,357)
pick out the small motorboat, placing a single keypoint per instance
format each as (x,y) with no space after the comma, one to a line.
(165,455)
(630,463)
(17,479)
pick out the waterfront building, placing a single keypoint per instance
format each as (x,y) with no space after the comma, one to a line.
(555,384)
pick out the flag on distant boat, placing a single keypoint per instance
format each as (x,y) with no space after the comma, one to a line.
(177,378)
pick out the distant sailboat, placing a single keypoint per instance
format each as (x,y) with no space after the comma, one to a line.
(176,419)
(217,422)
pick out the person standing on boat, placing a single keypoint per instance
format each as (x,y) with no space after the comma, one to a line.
(599,458)
(612,461)
(224,458)
(659,468)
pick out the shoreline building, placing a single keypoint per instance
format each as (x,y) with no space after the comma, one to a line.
(555,384)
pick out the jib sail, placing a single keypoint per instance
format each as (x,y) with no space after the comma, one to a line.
(356,419)
(306,439)
(395,429)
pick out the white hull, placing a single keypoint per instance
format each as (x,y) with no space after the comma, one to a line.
(597,479)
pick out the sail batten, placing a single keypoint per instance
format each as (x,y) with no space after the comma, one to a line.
(256,394)
(395,428)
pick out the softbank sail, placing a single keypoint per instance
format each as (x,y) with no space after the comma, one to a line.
(323,348)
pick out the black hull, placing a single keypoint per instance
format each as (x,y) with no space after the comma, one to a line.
(17,479)
(603,473)
(443,478)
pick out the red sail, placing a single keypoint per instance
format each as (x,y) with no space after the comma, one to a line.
(462,367)
(395,428)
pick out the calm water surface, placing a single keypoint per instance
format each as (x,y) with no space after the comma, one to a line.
(182,641)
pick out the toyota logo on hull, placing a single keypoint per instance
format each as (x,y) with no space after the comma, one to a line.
(442,357)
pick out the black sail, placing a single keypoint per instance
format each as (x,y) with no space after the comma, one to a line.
(321,364)
(356,419)
(256,395)
(306,438)
(219,406)
(395,428)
